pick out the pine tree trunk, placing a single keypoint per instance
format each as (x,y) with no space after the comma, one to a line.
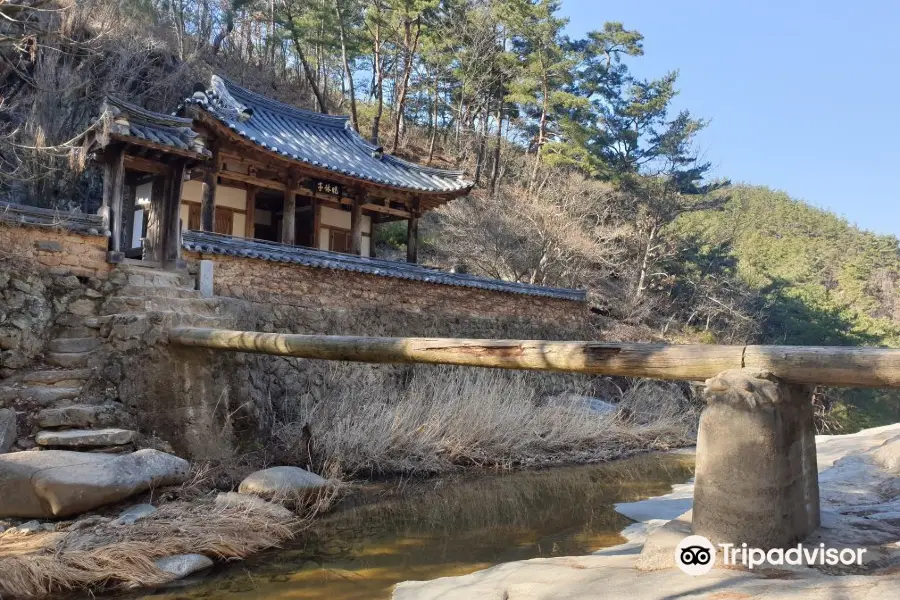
(434,122)
(411,43)
(378,66)
(348,72)
(645,263)
(495,168)
(310,76)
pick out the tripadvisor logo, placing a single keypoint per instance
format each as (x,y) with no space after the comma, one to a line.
(695,555)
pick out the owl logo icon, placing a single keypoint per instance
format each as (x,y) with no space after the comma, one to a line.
(695,555)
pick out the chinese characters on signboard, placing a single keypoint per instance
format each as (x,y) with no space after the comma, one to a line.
(326,187)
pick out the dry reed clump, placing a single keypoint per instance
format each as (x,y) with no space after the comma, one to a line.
(106,557)
(441,418)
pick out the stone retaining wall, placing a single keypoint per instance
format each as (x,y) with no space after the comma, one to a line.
(60,251)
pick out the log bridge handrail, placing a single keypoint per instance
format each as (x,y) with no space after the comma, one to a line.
(836,366)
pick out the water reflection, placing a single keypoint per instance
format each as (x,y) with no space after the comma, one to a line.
(452,528)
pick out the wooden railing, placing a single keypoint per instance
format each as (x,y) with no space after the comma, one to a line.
(822,365)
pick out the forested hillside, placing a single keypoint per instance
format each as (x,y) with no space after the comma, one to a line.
(585,175)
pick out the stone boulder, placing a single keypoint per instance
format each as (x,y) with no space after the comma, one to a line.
(182,565)
(59,483)
(888,456)
(8,431)
(282,483)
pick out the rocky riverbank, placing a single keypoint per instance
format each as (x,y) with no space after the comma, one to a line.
(860,494)
(67,533)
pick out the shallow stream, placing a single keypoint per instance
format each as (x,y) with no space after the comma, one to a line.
(445,527)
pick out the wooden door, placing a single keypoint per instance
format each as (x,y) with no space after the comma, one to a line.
(224,221)
(340,241)
(194,216)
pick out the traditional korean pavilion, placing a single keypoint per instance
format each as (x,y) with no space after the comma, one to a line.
(236,163)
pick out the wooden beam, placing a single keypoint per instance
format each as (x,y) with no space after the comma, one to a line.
(162,148)
(210,183)
(412,237)
(356,226)
(289,216)
(144,165)
(252,180)
(250,217)
(838,366)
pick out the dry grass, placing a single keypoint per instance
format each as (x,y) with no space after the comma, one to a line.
(105,557)
(444,417)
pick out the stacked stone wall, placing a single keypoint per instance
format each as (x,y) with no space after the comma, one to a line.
(59,251)
(316,290)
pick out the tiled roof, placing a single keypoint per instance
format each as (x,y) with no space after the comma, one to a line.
(46,217)
(319,140)
(214,243)
(128,120)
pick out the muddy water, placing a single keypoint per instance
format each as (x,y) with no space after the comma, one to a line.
(450,527)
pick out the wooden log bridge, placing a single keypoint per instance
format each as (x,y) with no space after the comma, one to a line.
(836,366)
(756,473)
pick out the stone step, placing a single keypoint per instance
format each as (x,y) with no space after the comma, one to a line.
(42,395)
(145,276)
(69,360)
(144,328)
(132,304)
(82,416)
(79,438)
(82,344)
(78,331)
(53,377)
(142,291)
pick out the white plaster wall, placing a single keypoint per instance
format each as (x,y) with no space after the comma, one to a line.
(226,196)
(239,225)
(341,218)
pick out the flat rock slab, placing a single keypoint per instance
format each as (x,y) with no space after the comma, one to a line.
(85,437)
(134,514)
(60,483)
(281,481)
(80,415)
(182,565)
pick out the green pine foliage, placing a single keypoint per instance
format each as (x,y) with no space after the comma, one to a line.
(815,280)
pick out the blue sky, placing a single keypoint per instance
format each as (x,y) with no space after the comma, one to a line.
(802,96)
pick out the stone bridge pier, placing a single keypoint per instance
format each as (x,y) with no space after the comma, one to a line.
(756,478)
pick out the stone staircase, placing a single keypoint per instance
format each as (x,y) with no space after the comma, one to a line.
(138,305)
(164,297)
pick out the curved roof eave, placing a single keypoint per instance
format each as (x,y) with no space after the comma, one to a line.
(321,141)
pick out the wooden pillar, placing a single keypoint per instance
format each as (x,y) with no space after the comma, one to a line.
(289,215)
(412,235)
(113,192)
(356,225)
(317,222)
(250,227)
(171,249)
(153,240)
(210,183)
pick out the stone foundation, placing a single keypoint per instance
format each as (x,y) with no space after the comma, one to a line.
(756,478)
